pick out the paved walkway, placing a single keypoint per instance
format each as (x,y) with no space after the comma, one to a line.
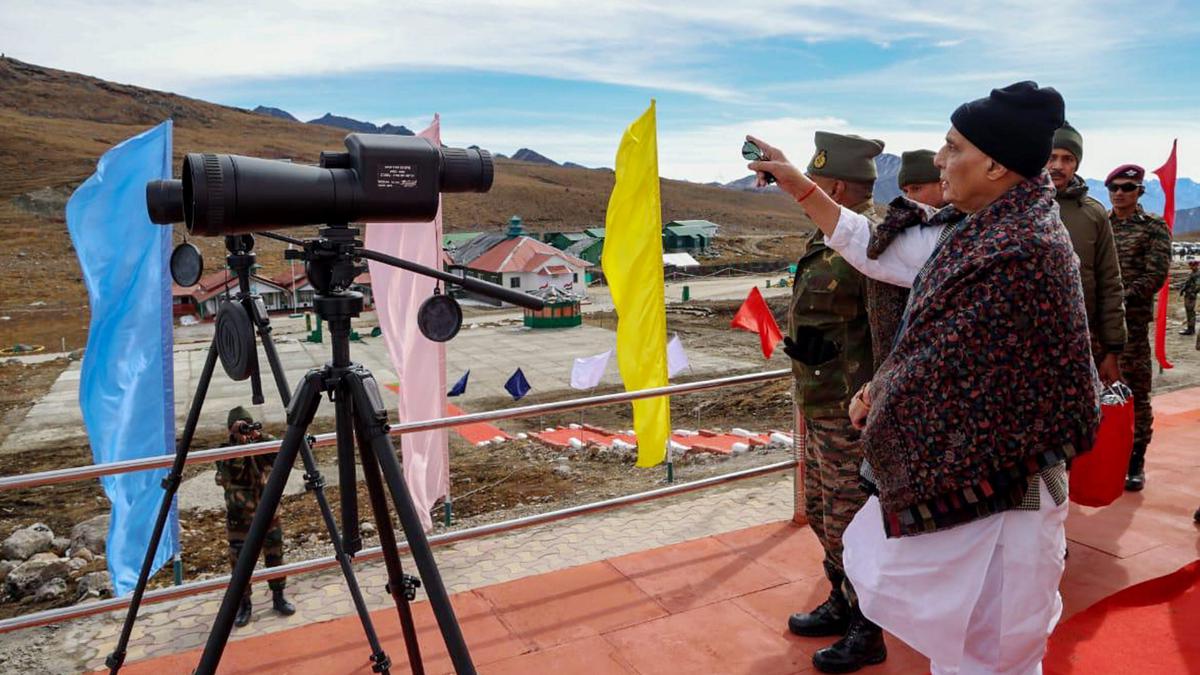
(180,625)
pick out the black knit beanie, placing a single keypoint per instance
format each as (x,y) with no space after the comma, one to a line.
(1014,126)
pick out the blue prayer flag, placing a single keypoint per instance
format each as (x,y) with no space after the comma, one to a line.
(127,386)
(459,387)
(517,385)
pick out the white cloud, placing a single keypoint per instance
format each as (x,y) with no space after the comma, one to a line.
(1078,45)
(659,45)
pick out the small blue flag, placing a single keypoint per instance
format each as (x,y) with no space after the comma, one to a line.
(459,387)
(517,385)
(126,388)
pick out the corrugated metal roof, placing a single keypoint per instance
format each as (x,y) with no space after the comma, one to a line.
(456,239)
(520,254)
(468,252)
(579,247)
(709,226)
(686,230)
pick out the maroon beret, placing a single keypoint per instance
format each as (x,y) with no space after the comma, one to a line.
(1133,171)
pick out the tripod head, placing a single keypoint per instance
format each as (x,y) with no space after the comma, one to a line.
(334,258)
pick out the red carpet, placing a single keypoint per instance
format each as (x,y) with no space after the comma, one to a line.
(1153,627)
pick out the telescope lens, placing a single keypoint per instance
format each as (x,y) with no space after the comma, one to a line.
(164,201)
(466,170)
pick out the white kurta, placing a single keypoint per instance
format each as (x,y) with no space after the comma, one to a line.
(902,260)
(978,598)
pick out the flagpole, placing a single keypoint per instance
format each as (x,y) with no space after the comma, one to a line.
(670,463)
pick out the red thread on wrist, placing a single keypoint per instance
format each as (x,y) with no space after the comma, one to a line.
(807,194)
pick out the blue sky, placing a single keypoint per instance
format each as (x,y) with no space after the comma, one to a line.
(565,78)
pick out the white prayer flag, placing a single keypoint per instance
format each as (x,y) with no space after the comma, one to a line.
(589,370)
(677,360)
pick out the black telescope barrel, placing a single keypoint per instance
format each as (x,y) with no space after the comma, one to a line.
(164,201)
(231,194)
(381,178)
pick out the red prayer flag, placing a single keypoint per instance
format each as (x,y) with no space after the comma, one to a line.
(756,317)
(1166,175)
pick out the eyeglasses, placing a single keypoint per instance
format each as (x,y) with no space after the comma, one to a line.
(751,151)
(1123,187)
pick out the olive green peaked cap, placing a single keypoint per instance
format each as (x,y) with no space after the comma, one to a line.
(916,167)
(844,156)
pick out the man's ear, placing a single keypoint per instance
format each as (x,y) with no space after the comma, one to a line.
(996,170)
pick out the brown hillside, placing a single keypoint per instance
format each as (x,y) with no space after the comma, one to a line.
(55,124)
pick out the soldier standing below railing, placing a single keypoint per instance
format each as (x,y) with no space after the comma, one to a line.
(243,479)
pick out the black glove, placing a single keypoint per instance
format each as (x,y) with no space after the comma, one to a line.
(810,347)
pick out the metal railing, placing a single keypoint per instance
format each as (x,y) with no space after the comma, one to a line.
(317,564)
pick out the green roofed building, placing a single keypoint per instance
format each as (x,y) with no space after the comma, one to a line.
(454,240)
(588,249)
(686,238)
(564,240)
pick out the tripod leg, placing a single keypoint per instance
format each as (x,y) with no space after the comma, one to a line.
(372,414)
(281,383)
(347,477)
(399,585)
(300,414)
(316,484)
(170,485)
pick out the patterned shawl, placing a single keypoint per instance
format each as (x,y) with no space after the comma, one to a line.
(991,378)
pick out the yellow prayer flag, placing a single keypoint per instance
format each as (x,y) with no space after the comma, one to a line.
(633,267)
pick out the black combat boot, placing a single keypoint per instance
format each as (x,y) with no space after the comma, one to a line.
(1188,331)
(1135,479)
(280,603)
(830,618)
(243,614)
(862,646)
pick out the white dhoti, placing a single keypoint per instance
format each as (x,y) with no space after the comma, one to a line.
(977,598)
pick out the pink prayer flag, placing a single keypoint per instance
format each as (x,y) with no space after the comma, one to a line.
(420,363)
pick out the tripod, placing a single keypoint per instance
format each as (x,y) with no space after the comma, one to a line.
(402,587)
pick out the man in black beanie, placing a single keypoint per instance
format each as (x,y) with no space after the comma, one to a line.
(988,390)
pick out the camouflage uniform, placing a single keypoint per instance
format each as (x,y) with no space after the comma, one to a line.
(829,296)
(1189,290)
(1144,250)
(243,479)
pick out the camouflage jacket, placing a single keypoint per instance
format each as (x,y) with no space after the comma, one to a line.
(245,472)
(1144,249)
(829,295)
(885,302)
(1191,287)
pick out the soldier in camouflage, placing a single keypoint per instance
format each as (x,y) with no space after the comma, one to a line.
(243,479)
(830,345)
(1189,290)
(1144,251)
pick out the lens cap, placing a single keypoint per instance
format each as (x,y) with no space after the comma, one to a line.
(186,264)
(235,340)
(439,318)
